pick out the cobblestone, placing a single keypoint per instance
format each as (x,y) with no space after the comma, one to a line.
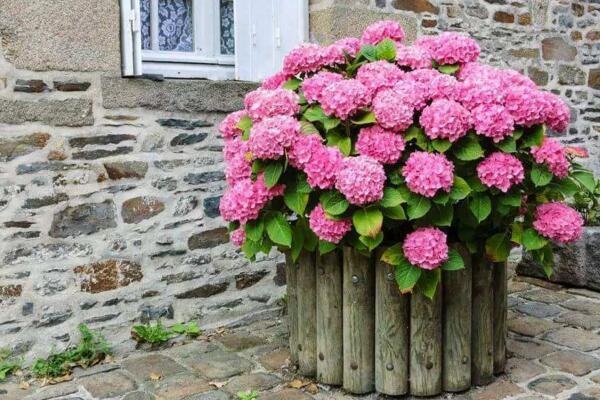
(548,358)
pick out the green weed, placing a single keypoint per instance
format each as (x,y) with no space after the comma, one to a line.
(8,364)
(190,329)
(153,334)
(248,395)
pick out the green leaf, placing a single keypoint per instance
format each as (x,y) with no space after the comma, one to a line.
(341,141)
(418,206)
(278,229)
(393,255)
(460,189)
(308,128)
(314,113)
(369,52)
(372,243)
(326,247)
(367,221)
(468,148)
(368,118)
(311,240)
(396,213)
(333,202)
(386,50)
(391,197)
(586,178)
(272,173)
(441,145)
(508,145)
(511,199)
(476,185)
(429,282)
(497,247)
(413,132)
(481,206)
(297,241)
(455,261)
(567,186)
(441,198)
(407,276)
(254,229)
(540,176)
(330,123)
(516,233)
(546,258)
(295,200)
(534,136)
(518,133)
(245,123)
(441,215)
(533,240)
(251,248)
(449,69)
(292,84)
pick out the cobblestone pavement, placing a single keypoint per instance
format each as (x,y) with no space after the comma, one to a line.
(554,349)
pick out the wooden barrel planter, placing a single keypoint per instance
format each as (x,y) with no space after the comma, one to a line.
(351,327)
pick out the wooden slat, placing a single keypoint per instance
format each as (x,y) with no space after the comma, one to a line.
(426,344)
(482,336)
(359,322)
(500,300)
(292,306)
(307,315)
(392,324)
(457,326)
(330,351)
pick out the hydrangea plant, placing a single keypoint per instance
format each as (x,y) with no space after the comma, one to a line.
(370,143)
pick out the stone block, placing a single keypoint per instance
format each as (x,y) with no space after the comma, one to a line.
(180,387)
(83,219)
(259,381)
(202,178)
(220,365)
(528,349)
(211,206)
(208,239)
(184,124)
(175,95)
(82,141)
(101,153)
(504,17)
(556,48)
(286,394)
(31,86)
(71,86)
(577,339)
(241,341)
(594,78)
(46,252)
(204,291)
(572,362)
(45,201)
(417,6)
(248,279)
(69,112)
(11,148)
(140,208)
(571,75)
(107,275)
(11,290)
(552,385)
(108,385)
(185,139)
(530,326)
(152,364)
(126,169)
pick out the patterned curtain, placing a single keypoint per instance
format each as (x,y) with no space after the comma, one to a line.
(227,39)
(175,31)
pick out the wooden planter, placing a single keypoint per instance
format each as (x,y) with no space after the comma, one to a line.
(350,326)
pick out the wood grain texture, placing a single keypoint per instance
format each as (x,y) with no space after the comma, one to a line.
(307,314)
(482,336)
(330,350)
(426,344)
(392,330)
(457,326)
(292,305)
(359,322)
(500,328)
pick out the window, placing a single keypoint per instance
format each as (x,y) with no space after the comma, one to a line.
(214,39)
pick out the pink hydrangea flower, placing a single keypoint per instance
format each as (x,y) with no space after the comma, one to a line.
(305,58)
(302,150)
(238,237)
(474,70)
(238,168)
(382,145)
(493,121)
(553,155)
(314,86)
(321,170)
(577,151)
(451,48)
(379,75)
(445,119)
(263,103)
(525,105)
(391,110)
(336,52)
(501,170)
(381,30)
(229,126)
(426,173)
(331,230)
(361,180)
(433,84)
(243,201)
(509,77)
(412,93)
(426,248)
(274,81)
(344,98)
(558,222)
(472,93)
(271,136)
(235,147)
(413,57)
(556,112)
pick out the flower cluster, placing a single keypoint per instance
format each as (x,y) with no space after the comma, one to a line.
(558,222)
(368,142)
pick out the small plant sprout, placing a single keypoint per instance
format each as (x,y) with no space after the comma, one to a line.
(190,329)
(248,395)
(151,333)
(8,364)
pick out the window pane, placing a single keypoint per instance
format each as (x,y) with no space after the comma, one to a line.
(175,30)
(145,17)
(227,39)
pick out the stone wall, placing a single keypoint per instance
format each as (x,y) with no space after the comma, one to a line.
(109,187)
(556,43)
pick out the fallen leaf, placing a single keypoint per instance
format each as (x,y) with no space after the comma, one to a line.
(24,385)
(154,376)
(312,389)
(218,385)
(298,384)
